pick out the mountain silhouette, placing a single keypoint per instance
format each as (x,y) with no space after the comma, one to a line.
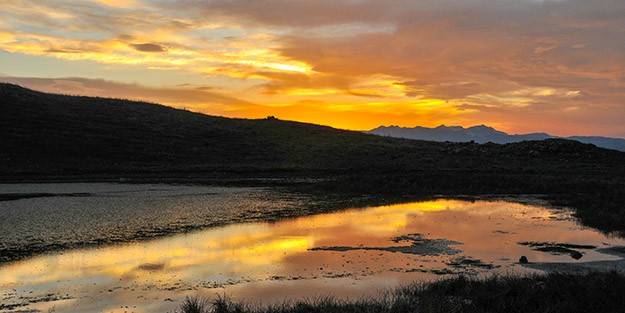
(484,134)
(51,134)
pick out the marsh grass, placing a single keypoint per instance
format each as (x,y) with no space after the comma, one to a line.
(593,292)
(196,305)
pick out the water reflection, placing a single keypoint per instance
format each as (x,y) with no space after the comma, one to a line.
(348,253)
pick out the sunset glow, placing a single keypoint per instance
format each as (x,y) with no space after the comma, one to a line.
(519,66)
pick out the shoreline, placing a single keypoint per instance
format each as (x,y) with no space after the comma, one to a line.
(313,204)
(580,268)
(551,292)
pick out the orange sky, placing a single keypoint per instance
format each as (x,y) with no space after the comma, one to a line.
(517,65)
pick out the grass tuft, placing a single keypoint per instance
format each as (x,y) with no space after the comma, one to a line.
(196,305)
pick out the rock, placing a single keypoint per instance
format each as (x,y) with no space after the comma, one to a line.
(523,260)
(576,255)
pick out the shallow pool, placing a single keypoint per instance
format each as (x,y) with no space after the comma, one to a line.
(348,254)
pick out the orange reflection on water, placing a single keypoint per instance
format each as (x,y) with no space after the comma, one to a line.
(381,220)
(225,250)
(274,260)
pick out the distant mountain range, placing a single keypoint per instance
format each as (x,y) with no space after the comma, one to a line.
(484,134)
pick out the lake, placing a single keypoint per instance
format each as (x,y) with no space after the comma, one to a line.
(218,241)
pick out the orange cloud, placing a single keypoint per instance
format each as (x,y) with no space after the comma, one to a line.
(396,62)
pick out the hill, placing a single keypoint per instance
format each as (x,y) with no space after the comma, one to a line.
(48,136)
(59,134)
(484,134)
(48,133)
(602,142)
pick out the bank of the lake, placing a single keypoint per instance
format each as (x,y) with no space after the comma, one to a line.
(600,292)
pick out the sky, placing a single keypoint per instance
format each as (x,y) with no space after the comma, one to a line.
(520,66)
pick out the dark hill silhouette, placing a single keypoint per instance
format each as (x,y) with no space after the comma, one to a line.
(59,134)
(484,134)
(58,137)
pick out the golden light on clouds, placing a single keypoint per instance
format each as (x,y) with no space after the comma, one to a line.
(521,65)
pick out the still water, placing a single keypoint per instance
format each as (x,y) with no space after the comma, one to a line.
(348,254)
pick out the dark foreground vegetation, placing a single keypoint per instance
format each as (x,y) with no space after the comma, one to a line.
(593,292)
(46,137)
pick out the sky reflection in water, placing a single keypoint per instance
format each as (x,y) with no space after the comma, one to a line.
(272,261)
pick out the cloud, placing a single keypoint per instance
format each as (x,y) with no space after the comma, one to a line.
(148,47)
(505,60)
(468,52)
(178,96)
(288,12)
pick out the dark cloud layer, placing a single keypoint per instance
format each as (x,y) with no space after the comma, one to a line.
(570,44)
(148,47)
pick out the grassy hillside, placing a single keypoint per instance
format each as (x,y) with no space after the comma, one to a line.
(46,134)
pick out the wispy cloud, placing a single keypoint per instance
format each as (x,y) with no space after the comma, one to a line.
(187,96)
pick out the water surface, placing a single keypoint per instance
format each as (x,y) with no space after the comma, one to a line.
(349,254)
(59,216)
